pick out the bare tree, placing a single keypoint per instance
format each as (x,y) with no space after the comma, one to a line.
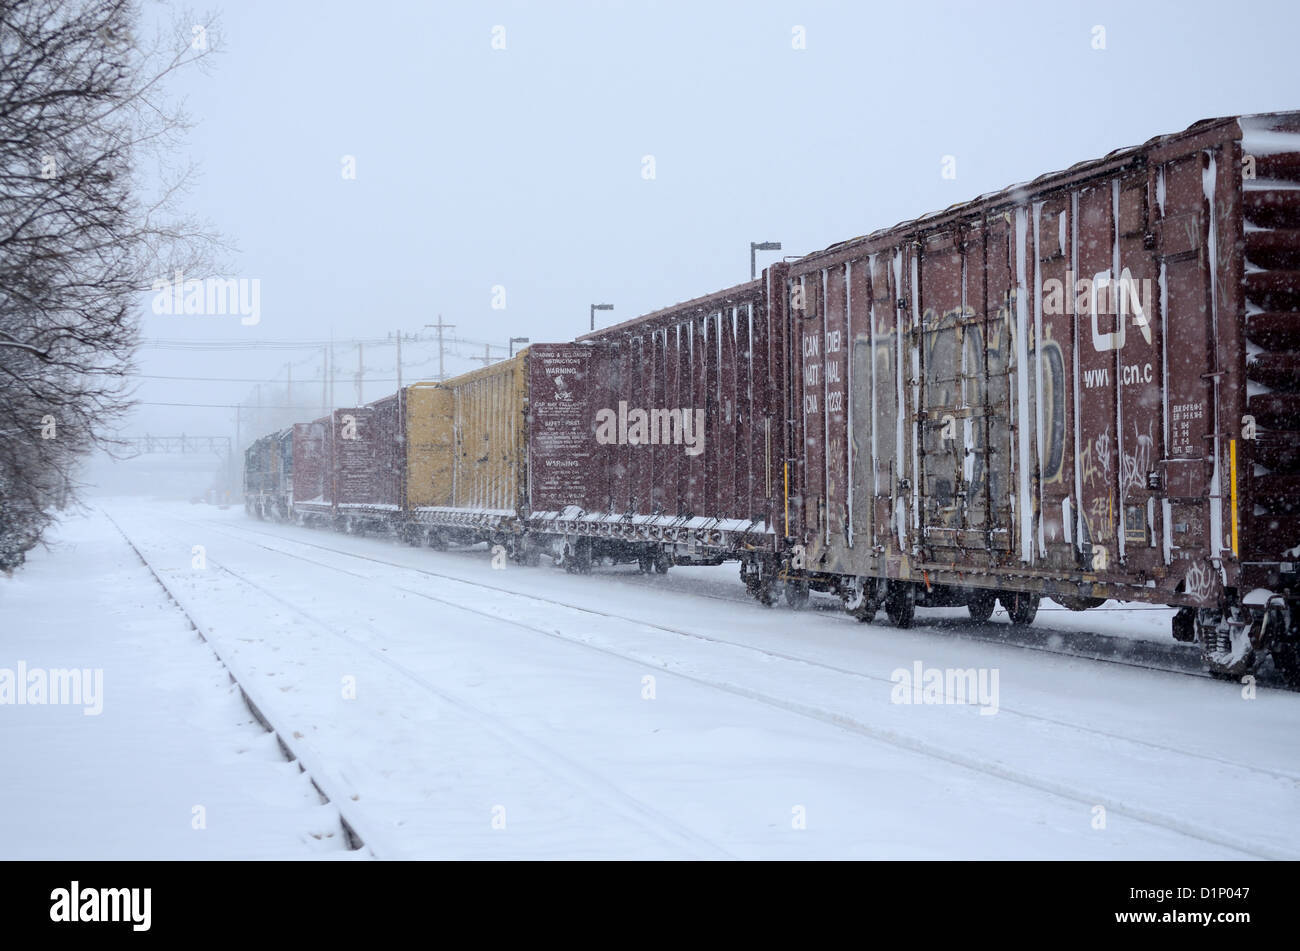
(88,220)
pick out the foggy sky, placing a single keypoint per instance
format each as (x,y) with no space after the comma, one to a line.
(523,167)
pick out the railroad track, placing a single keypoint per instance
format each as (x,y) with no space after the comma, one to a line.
(357,831)
(1171,658)
(854,724)
(546,757)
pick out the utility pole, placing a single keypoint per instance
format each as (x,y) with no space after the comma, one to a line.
(399,360)
(288,387)
(487,356)
(361,372)
(440,327)
(324,381)
(237,465)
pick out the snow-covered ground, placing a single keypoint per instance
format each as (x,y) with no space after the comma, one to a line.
(164,760)
(450,709)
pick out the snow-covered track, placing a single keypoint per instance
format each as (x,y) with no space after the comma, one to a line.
(1096,647)
(358,832)
(546,757)
(500,609)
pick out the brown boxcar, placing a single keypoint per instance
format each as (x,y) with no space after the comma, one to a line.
(387,470)
(313,484)
(689,426)
(1082,387)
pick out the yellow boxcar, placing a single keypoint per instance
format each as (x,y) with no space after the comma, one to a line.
(466,442)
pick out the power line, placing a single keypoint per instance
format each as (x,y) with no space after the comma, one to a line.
(160,343)
(243,406)
(248,379)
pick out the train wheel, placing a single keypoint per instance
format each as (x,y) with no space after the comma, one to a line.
(900,604)
(859,598)
(796,594)
(1226,650)
(436,540)
(766,594)
(646,564)
(577,560)
(662,562)
(1022,607)
(980,605)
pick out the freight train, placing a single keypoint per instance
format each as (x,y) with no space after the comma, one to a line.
(1082,388)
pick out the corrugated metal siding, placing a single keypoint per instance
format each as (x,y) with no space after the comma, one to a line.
(429,442)
(1010,430)
(466,439)
(312,463)
(709,358)
(389,447)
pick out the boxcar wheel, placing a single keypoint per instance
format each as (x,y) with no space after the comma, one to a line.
(577,559)
(645,564)
(859,598)
(662,562)
(1022,607)
(1221,656)
(980,605)
(796,594)
(900,604)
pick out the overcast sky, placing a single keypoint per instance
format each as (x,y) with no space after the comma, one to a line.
(524,167)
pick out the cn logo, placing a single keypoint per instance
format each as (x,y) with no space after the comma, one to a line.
(1120,298)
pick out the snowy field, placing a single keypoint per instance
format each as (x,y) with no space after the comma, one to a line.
(450,709)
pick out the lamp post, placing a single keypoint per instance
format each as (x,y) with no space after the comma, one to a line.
(760,246)
(515,340)
(596,307)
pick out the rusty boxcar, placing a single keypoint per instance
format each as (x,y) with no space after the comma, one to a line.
(1080,388)
(313,484)
(685,428)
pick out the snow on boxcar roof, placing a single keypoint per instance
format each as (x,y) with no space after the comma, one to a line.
(747,290)
(1013,194)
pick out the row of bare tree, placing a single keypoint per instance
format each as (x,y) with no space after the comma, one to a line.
(89,217)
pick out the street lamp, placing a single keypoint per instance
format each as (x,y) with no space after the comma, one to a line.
(596,307)
(515,340)
(760,246)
